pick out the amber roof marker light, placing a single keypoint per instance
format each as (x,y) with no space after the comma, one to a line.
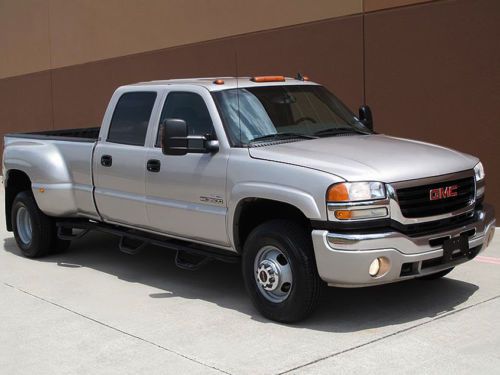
(260,79)
(219,82)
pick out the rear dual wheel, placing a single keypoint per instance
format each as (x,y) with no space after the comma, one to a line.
(35,232)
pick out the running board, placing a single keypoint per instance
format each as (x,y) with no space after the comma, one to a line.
(66,233)
(191,262)
(132,241)
(130,247)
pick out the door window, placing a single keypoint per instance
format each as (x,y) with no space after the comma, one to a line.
(130,120)
(189,107)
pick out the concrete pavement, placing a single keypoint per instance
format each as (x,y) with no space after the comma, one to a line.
(95,310)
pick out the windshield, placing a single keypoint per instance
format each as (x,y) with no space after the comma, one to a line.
(271,111)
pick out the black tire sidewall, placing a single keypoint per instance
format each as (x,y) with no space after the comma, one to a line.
(294,242)
(41,226)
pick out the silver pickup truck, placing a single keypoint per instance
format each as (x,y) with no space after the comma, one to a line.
(271,171)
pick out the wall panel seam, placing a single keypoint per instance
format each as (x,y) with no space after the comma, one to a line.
(427,2)
(194,44)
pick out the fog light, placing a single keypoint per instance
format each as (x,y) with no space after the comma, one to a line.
(379,267)
(374,268)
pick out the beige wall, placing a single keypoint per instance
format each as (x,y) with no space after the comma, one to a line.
(24,37)
(373,5)
(37,35)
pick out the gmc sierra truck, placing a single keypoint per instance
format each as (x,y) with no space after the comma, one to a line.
(271,171)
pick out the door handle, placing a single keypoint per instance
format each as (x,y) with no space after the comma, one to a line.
(106,160)
(153,165)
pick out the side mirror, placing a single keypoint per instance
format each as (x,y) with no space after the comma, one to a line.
(365,116)
(176,141)
(211,145)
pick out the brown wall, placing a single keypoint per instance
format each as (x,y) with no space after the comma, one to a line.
(433,73)
(429,70)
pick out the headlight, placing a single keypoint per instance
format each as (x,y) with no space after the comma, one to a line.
(479,171)
(479,174)
(352,201)
(355,192)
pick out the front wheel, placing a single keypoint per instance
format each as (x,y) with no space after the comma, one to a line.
(279,271)
(35,232)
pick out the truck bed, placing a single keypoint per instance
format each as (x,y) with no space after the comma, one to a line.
(70,135)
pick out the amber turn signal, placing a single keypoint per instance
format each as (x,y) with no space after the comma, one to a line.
(343,214)
(337,193)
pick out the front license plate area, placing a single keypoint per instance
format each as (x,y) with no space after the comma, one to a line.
(454,248)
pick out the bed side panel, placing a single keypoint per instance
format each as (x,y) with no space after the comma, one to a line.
(60,173)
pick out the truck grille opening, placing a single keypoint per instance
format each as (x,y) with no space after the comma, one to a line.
(435,226)
(415,201)
(408,269)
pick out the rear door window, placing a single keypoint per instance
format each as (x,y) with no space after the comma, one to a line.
(130,120)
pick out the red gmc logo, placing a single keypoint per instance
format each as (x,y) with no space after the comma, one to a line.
(443,192)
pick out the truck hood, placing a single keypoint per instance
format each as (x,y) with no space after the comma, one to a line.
(368,157)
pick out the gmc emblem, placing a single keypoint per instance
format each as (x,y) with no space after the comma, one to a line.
(443,193)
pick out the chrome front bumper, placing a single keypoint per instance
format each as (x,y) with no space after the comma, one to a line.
(344,259)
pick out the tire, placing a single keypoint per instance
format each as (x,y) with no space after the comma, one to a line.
(288,246)
(35,232)
(437,275)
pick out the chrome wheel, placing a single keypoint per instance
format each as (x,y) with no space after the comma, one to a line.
(273,274)
(23,223)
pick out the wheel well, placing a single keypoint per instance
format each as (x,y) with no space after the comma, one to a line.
(15,182)
(252,212)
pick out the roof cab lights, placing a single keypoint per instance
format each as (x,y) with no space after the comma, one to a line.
(260,79)
(263,79)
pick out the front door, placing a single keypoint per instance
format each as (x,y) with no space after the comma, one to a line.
(186,194)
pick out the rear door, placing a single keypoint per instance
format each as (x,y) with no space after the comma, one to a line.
(186,194)
(120,160)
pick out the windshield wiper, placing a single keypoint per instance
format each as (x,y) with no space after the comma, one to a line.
(282,136)
(336,131)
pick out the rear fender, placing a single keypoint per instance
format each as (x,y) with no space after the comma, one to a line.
(48,172)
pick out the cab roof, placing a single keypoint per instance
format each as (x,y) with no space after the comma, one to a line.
(228,82)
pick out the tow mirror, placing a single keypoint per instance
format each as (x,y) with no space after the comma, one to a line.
(365,116)
(176,141)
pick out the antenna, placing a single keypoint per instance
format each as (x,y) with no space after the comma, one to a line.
(238,93)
